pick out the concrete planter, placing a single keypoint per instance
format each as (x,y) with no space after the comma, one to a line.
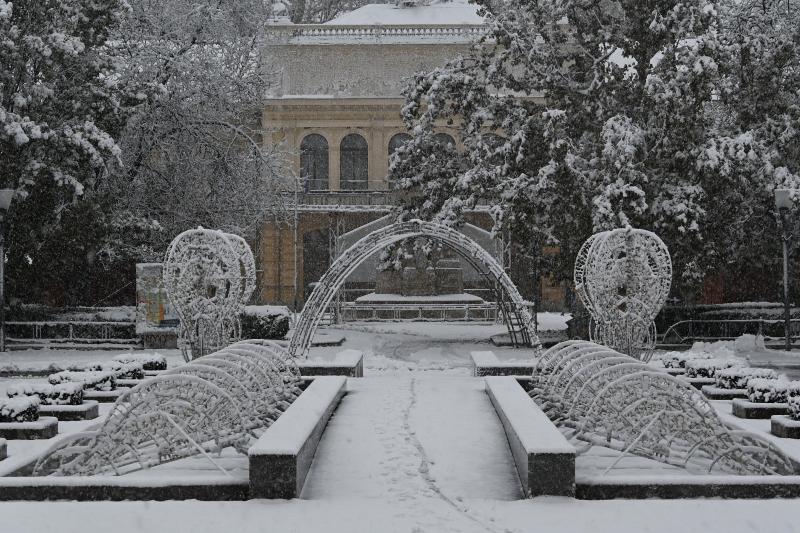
(88,410)
(44,428)
(747,409)
(784,426)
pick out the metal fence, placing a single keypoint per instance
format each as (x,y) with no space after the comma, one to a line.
(687,331)
(486,312)
(63,331)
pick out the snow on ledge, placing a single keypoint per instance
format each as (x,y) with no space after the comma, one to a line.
(294,427)
(535,431)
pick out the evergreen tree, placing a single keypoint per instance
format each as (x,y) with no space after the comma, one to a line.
(578,116)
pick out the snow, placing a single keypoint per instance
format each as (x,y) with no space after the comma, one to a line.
(456,12)
(390,515)
(412,438)
(533,428)
(291,431)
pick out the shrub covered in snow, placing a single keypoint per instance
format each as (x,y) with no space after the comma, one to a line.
(62,394)
(265,322)
(737,377)
(149,361)
(707,368)
(794,406)
(90,380)
(679,359)
(760,390)
(121,370)
(20,409)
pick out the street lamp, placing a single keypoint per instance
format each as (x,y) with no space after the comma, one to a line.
(6,195)
(784,203)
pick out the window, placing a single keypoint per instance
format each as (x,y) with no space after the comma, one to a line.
(314,162)
(397,141)
(354,163)
(444,140)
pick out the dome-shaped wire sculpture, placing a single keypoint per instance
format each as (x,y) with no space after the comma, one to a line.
(227,398)
(601,397)
(208,275)
(623,278)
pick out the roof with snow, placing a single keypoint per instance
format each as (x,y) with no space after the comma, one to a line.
(457,12)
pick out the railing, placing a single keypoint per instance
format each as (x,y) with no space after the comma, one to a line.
(687,331)
(62,331)
(485,312)
(316,33)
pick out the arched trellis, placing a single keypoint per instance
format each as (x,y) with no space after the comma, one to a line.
(519,321)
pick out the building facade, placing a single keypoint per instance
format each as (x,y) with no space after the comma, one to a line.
(336,106)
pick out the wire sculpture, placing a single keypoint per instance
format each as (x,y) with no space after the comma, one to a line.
(601,397)
(227,398)
(515,310)
(209,275)
(623,277)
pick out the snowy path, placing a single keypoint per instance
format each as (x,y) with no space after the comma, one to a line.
(416,440)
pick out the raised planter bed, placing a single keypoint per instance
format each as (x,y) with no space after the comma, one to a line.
(44,428)
(699,383)
(348,363)
(103,396)
(282,456)
(678,487)
(88,410)
(487,364)
(785,426)
(713,392)
(128,383)
(544,459)
(3,449)
(105,488)
(747,409)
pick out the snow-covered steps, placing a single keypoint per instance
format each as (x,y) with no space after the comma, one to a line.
(348,363)
(282,456)
(545,460)
(486,363)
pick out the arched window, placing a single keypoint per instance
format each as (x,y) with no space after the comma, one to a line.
(397,141)
(444,140)
(354,163)
(314,162)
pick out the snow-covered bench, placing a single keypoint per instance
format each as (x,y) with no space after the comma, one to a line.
(544,459)
(282,456)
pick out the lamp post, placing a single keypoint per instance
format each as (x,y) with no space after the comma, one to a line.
(6,195)
(784,203)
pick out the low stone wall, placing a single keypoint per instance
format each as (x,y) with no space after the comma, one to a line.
(282,457)
(544,459)
(677,487)
(348,363)
(107,488)
(487,364)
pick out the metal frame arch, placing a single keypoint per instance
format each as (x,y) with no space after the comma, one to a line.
(368,245)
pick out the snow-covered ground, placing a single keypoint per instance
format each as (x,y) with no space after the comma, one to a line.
(414,447)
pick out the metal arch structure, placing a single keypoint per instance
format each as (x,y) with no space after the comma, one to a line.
(227,398)
(623,278)
(600,397)
(209,275)
(519,321)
